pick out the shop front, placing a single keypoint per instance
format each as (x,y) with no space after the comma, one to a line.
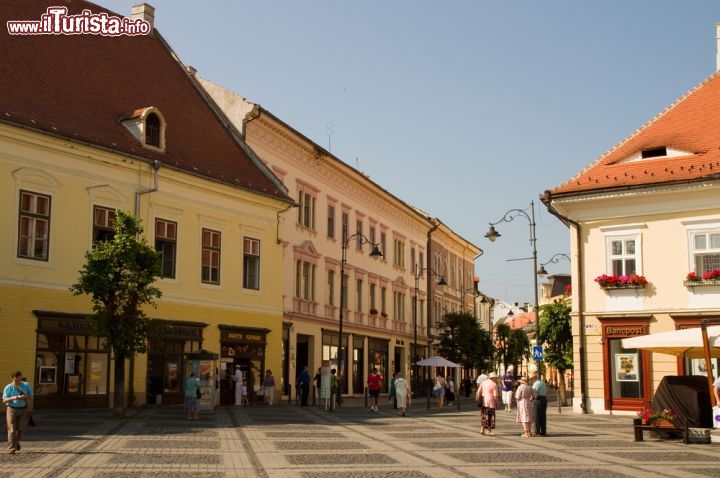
(687,366)
(330,343)
(626,371)
(243,346)
(71,364)
(378,358)
(358,364)
(166,361)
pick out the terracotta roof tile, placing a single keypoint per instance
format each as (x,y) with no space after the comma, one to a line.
(690,124)
(80,86)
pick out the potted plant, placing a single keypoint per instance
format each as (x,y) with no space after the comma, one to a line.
(633,281)
(373,312)
(383,315)
(658,418)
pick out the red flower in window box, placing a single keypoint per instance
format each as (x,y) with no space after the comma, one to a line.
(605,281)
(712,275)
(568,290)
(692,277)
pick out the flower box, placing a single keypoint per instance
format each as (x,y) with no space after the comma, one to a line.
(658,418)
(373,312)
(701,283)
(708,279)
(633,281)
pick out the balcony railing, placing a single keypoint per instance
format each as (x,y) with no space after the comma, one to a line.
(303,306)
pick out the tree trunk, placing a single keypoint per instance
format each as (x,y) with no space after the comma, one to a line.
(561,389)
(119,397)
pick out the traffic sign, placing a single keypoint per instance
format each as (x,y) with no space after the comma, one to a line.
(537,352)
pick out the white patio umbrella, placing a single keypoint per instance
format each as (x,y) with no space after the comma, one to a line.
(439,362)
(680,343)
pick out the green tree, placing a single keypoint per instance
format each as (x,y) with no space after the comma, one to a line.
(512,346)
(118,275)
(464,341)
(556,334)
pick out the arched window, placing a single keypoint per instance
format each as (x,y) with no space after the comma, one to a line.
(152,130)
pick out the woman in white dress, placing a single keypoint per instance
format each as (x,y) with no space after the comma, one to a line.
(402,393)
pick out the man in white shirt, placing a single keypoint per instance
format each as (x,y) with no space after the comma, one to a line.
(238,385)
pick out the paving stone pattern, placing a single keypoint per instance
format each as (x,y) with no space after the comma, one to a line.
(306,442)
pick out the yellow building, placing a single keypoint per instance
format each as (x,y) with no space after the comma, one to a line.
(120,123)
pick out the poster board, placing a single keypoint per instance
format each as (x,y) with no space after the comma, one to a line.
(626,367)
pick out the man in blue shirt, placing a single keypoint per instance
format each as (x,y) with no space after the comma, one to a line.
(16,396)
(303,381)
(540,406)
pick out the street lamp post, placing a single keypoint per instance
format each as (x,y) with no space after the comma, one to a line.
(542,273)
(374,252)
(492,234)
(441,281)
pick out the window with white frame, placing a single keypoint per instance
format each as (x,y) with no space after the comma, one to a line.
(623,255)
(331,222)
(210,256)
(331,287)
(705,250)
(399,306)
(34,226)
(251,263)
(399,256)
(306,212)
(304,280)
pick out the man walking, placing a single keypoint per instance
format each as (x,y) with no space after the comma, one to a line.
(374,381)
(508,383)
(238,378)
(540,406)
(16,396)
(304,383)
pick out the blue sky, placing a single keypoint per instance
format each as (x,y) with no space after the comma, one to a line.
(465,109)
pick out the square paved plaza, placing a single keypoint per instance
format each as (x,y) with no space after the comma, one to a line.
(351,443)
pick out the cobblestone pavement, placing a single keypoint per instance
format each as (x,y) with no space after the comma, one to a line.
(291,441)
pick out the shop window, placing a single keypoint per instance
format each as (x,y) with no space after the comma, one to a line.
(103,224)
(166,245)
(625,371)
(34,226)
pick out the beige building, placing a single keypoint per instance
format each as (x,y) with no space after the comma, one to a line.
(341,212)
(644,223)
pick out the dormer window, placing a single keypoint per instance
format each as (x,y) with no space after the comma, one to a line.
(147,125)
(152,130)
(654,153)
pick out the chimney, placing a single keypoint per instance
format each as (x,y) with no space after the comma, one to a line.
(144,11)
(717,39)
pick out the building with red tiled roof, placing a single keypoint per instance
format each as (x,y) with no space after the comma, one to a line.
(645,248)
(90,124)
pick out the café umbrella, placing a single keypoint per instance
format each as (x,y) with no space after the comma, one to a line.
(680,343)
(437,361)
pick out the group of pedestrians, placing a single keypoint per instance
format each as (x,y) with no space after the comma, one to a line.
(531,402)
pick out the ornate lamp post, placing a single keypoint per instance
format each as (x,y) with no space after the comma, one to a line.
(554,260)
(374,252)
(441,281)
(492,234)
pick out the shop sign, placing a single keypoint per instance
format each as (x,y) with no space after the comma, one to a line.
(636,330)
(241,336)
(68,325)
(183,332)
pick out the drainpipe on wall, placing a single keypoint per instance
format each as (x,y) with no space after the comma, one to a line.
(131,372)
(428,286)
(547,200)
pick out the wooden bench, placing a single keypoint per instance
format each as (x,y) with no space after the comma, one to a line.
(639,427)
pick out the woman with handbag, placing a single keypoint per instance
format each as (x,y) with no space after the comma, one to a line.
(192,394)
(16,396)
